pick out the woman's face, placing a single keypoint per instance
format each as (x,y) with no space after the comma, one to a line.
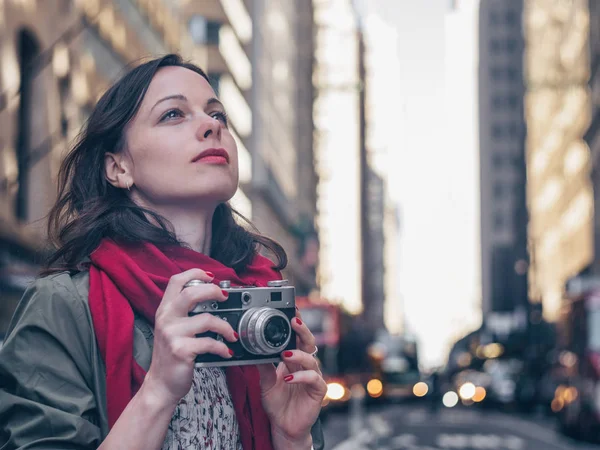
(179,149)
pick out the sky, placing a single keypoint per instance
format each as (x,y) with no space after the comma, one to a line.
(433,171)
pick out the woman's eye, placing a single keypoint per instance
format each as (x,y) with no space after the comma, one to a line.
(220,116)
(171,114)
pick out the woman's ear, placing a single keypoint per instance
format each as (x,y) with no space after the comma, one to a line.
(116,170)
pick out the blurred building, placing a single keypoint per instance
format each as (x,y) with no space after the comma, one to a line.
(283,185)
(58,56)
(381,223)
(373,245)
(502,156)
(338,150)
(560,198)
(592,136)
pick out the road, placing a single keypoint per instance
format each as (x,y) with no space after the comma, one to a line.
(406,427)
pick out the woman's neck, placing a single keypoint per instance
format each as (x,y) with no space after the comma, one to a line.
(195,230)
(192,226)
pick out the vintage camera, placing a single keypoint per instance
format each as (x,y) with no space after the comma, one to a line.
(260,315)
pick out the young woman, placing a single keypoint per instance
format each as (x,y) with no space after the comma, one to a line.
(101,350)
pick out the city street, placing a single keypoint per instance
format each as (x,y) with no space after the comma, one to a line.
(414,428)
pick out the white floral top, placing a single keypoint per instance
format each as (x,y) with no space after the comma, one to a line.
(205,419)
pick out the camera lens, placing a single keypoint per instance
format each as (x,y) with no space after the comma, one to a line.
(264,331)
(277,330)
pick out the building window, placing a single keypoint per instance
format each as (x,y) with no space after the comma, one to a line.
(499,191)
(494,18)
(498,221)
(512,74)
(509,74)
(204,31)
(512,18)
(511,45)
(510,102)
(513,130)
(497,131)
(518,160)
(496,73)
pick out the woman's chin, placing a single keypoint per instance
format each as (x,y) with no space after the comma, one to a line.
(214,197)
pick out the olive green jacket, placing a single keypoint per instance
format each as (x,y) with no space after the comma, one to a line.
(52,376)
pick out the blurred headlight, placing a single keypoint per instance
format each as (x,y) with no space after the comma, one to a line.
(420,389)
(450,399)
(480,394)
(375,388)
(467,391)
(335,391)
(570,395)
(492,351)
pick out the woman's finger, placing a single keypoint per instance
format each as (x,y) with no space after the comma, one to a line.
(305,339)
(189,298)
(201,346)
(308,377)
(178,281)
(203,323)
(187,349)
(301,359)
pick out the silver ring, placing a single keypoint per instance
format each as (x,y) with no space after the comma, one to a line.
(194,283)
(314,354)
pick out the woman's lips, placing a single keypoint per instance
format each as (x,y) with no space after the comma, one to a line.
(213,159)
(213,156)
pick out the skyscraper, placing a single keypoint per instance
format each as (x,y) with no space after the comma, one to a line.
(504,260)
(283,187)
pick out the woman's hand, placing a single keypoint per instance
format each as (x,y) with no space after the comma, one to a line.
(293,393)
(175,343)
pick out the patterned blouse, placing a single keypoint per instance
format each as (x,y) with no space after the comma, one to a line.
(205,419)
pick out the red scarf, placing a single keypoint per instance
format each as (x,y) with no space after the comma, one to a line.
(128,278)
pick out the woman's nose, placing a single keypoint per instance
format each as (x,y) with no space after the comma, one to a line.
(209,126)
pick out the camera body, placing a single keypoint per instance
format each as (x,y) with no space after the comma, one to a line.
(260,315)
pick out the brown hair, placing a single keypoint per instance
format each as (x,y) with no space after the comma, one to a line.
(89,208)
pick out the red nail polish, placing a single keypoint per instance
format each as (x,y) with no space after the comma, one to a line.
(235,335)
(288,378)
(225,293)
(288,354)
(298,321)
(210,274)
(231,352)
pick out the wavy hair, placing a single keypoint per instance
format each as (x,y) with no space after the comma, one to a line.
(89,208)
